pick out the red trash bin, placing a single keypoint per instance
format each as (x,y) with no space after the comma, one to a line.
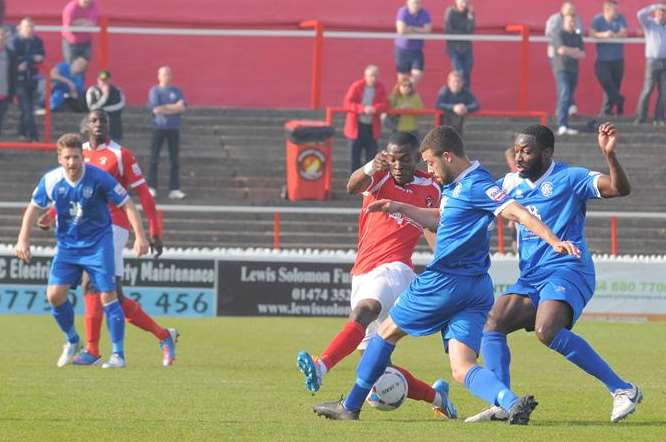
(308,159)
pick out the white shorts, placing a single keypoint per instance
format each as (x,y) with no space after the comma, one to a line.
(384,284)
(120,238)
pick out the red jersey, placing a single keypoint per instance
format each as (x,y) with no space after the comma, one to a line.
(121,164)
(383,237)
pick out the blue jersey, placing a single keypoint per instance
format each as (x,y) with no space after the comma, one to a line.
(468,208)
(82,213)
(559,200)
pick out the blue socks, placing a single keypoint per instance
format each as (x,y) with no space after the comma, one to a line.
(371,366)
(115,321)
(483,383)
(496,355)
(578,351)
(64,317)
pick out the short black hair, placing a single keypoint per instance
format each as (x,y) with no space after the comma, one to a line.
(543,135)
(443,139)
(405,140)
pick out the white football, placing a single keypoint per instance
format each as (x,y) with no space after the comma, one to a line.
(389,392)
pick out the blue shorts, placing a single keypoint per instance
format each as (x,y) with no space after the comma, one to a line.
(456,306)
(408,59)
(568,285)
(97,261)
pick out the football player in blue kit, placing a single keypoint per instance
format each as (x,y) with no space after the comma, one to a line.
(81,194)
(455,293)
(553,289)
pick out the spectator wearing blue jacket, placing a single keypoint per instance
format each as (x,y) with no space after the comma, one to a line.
(69,85)
(166,103)
(455,101)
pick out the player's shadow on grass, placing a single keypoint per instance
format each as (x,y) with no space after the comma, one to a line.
(550,423)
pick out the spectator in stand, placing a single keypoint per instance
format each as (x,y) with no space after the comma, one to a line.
(29,52)
(409,60)
(568,46)
(459,19)
(78,13)
(553,28)
(7,75)
(107,97)
(365,101)
(609,66)
(167,104)
(404,96)
(455,101)
(69,85)
(654,29)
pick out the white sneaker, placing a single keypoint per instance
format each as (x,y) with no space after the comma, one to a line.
(563,130)
(153,192)
(69,351)
(115,361)
(493,413)
(625,402)
(176,194)
(573,110)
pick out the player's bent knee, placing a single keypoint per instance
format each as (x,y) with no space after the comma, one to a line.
(366,311)
(389,331)
(108,297)
(56,294)
(546,333)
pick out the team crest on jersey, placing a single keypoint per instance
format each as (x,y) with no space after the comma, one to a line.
(61,191)
(136,169)
(428,201)
(457,190)
(87,192)
(103,161)
(311,164)
(547,189)
(496,194)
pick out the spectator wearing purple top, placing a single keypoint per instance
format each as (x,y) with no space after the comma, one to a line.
(78,13)
(409,61)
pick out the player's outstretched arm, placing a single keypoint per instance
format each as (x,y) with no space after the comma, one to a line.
(361,178)
(616,183)
(22,248)
(516,212)
(428,218)
(140,242)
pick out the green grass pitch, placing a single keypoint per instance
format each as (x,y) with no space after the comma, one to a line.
(236,379)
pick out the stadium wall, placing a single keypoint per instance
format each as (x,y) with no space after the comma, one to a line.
(235,282)
(275,72)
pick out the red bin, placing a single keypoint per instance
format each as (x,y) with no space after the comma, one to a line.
(308,159)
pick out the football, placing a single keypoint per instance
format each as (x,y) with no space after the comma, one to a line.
(389,392)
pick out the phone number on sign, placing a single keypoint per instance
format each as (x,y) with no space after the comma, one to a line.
(181,302)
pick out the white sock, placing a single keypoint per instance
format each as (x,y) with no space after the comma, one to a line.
(322,368)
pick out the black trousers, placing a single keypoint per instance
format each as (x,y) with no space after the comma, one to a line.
(364,143)
(172,137)
(610,74)
(655,75)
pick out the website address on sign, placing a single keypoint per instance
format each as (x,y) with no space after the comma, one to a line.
(298,309)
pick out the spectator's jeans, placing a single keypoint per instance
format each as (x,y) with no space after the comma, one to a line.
(172,137)
(25,93)
(70,51)
(462,61)
(655,74)
(4,104)
(551,62)
(609,74)
(454,120)
(566,89)
(364,142)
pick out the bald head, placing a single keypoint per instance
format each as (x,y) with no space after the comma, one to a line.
(164,76)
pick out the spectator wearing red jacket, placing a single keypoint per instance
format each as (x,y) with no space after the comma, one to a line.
(365,101)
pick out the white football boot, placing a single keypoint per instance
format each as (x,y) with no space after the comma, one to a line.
(493,413)
(69,351)
(625,402)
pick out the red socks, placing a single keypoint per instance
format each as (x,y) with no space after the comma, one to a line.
(343,344)
(94,315)
(416,389)
(135,315)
